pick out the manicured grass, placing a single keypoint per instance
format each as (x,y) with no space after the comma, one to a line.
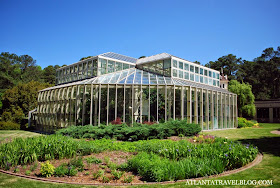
(268,169)
(8,135)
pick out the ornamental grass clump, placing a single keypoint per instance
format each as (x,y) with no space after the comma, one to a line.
(25,151)
(166,160)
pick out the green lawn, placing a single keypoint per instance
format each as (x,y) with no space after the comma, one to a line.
(7,135)
(268,169)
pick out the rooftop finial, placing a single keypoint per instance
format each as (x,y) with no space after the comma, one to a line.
(222,71)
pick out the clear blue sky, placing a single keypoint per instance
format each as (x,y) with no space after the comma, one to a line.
(62,31)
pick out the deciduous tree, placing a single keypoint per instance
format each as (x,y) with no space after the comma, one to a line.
(245,98)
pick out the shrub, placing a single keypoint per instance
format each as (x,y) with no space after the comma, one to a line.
(243,122)
(77,163)
(47,169)
(72,171)
(183,127)
(61,170)
(117,121)
(9,125)
(149,122)
(137,132)
(7,116)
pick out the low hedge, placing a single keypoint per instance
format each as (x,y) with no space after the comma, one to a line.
(137,132)
(243,122)
(9,125)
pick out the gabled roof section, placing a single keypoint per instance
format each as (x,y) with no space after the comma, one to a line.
(153,58)
(119,57)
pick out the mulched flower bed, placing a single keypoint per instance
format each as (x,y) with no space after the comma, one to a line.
(86,176)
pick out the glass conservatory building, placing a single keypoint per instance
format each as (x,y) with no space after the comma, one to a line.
(158,88)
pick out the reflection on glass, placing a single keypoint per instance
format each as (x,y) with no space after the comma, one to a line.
(192,68)
(180,74)
(186,66)
(186,75)
(174,72)
(175,64)
(191,77)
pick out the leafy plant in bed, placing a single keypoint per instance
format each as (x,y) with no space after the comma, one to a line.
(153,160)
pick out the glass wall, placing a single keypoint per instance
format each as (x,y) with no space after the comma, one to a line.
(88,69)
(197,73)
(162,67)
(101,104)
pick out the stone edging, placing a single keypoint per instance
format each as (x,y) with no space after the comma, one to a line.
(256,161)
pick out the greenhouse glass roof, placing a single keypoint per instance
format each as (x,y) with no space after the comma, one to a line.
(119,57)
(134,76)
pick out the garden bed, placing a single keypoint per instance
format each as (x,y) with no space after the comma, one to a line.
(86,175)
(111,161)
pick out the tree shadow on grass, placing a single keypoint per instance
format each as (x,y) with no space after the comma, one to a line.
(269,145)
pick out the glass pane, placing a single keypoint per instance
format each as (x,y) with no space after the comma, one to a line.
(191,77)
(125,66)
(180,65)
(196,78)
(153,79)
(153,104)
(111,66)
(130,79)
(103,106)
(175,64)
(201,71)
(118,66)
(180,74)
(145,78)
(192,68)
(128,106)
(214,82)
(120,103)
(210,74)
(196,70)
(201,79)
(112,100)
(115,78)
(174,72)
(210,81)
(138,77)
(186,75)
(168,80)
(214,75)
(167,63)
(186,66)
(205,80)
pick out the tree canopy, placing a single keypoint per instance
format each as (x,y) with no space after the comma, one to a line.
(245,98)
(22,98)
(263,73)
(16,69)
